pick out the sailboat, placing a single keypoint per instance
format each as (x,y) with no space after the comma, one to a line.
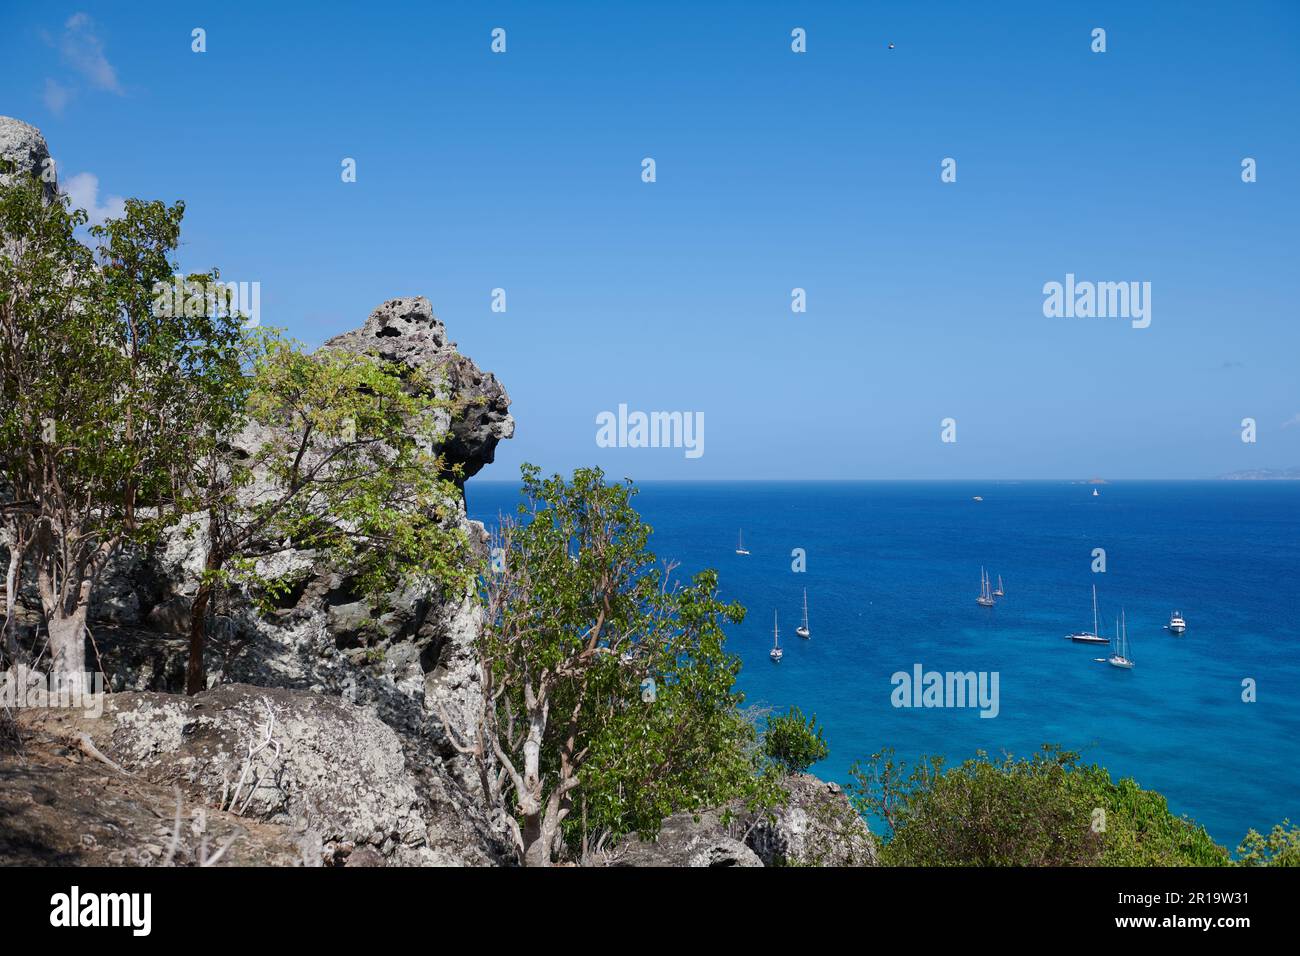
(1094,492)
(776,652)
(1120,658)
(802,629)
(740,545)
(998,592)
(986,596)
(1089,637)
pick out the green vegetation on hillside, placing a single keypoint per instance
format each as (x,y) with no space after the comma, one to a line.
(1043,810)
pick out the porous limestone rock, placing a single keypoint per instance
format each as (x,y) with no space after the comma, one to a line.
(813,824)
(25,147)
(301,760)
(406,331)
(685,839)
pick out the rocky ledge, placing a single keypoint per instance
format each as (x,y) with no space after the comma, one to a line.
(813,825)
(284,777)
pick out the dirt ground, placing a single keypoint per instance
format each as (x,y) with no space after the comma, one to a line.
(61,807)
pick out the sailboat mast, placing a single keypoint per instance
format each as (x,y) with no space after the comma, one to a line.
(1095,629)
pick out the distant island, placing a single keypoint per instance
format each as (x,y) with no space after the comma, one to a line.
(1263,474)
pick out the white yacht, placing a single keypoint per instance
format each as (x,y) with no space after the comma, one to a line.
(1120,658)
(775,653)
(802,629)
(1089,637)
(1094,493)
(740,544)
(1176,623)
(986,594)
(998,591)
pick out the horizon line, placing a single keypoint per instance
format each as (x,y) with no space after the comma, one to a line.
(1078,481)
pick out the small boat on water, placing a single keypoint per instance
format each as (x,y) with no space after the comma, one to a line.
(998,591)
(1089,637)
(1094,492)
(977,498)
(986,593)
(802,629)
(740,544)
(1176,623)
(776,653)
(1120,658)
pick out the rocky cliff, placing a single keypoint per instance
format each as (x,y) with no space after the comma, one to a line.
(404,667)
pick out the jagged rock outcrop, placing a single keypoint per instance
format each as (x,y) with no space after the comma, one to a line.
(25,147)
(412,662)
(813,824)
(685,840)
(409,664)
(407,332)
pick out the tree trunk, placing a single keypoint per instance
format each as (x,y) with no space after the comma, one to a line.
(12,583)
(543,837)
(68,647)
(195,675)
(195,678)
(538,839)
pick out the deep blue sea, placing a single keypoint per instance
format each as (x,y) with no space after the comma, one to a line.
(892,576)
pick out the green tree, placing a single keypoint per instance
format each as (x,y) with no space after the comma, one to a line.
(1044,810)
(606,684)
(343,464)
(105,404)
(794,742)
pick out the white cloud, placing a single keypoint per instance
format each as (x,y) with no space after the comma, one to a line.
(83,190)
(56,96)
(1293,421)
(83,50)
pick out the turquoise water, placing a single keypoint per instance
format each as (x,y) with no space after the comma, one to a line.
(892,576)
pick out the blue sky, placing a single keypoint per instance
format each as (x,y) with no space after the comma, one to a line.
(775,170)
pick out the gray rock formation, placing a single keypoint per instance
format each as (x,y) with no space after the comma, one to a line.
(411,662)
(408,664)
(813,825)
(322,765)
(24,146)
(294,777)
(685,840)
(407,332)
